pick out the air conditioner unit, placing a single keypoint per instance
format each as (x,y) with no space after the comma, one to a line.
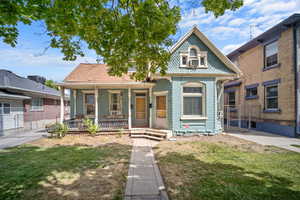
(194,63)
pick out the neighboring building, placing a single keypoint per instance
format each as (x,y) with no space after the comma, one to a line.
(188,100)
(266,98)
(26,104)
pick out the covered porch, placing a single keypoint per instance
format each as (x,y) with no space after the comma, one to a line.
(112,106)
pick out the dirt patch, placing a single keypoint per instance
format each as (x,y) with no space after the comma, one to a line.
(83,140)
(223,139)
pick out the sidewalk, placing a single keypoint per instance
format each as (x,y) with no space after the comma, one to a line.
(15,139)
(144,181)
(264,138)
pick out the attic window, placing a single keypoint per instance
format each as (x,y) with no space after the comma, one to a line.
(194,58)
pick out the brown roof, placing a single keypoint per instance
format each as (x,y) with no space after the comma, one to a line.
(95,73)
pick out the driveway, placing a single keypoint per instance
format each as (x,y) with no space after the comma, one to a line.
(266,138)
(15,139)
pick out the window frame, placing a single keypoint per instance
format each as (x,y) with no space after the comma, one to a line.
(266,98)
(199,56)
(2,108)
(88,92)
(39,107)
(251,96)
(120,102)
(203,95)
(228,95)
(265,55)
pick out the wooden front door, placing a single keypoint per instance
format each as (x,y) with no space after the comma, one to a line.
(161,120)
(140,109)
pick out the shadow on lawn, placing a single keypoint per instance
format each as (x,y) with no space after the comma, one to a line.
(187,177)
(64,172)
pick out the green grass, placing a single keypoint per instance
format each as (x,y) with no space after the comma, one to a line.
(296,145)
(215,171)
(63,172)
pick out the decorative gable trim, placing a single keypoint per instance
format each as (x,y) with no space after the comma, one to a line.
(210,45)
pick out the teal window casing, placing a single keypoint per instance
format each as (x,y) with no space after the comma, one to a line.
(193,101)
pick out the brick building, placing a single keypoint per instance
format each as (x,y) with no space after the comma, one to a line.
(267,96)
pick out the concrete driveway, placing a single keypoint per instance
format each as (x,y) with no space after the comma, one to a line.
(266,138)
(15,139)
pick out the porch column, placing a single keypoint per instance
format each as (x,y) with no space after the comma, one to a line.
(75,103)
(129,108)
(150,108)
(96,106)
(62,104)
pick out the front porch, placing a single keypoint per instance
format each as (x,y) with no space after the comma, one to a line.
(112,107)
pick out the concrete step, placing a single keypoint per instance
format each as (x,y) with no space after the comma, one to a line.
(164,135)
(146,136)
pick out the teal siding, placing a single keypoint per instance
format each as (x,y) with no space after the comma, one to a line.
(215,66)
(164,85)
(79,103)
(193,126)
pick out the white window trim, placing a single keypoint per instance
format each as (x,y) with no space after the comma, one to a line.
(161,93)
(200,54)
(2,105)
(266,104)
(119,99)
(32,109)
(203,95)
(84,103)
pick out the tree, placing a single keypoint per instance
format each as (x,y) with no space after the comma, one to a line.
(51,84)
(125,33)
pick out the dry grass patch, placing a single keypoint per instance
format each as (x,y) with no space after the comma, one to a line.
(74,167)
(224,167)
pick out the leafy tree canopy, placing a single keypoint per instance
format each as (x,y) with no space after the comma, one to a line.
(125,33)
(52,84)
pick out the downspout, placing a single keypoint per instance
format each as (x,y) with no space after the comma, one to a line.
(295,56)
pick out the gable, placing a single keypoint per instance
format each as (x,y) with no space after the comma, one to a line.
(214,64)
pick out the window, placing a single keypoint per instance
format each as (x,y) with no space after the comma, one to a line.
(37,104)
(161,107)
(4,108)
(271,54)
(231,99)
(115,103)
(89,100)
(251,92)
(271,100)
(193,100)
(193,58)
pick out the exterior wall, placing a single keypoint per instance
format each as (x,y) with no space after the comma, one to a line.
(164,85)
(49,114)
(194,126)
(251,64)
(15,119)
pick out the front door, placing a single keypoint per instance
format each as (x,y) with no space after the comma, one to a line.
(140,109)
(161,120)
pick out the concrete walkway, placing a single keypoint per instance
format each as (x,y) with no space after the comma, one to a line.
(18,138)
(144,181)
(266,139)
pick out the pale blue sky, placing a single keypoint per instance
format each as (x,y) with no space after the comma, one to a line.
(227,33)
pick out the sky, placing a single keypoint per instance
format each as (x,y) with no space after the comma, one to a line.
(32,57)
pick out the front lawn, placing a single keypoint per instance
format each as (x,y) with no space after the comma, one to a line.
(224,167)
(74,167)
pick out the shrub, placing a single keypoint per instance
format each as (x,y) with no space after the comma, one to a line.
(91,127)
(120,132)
(58,129)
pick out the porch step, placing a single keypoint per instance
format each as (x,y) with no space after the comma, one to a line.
(146,136)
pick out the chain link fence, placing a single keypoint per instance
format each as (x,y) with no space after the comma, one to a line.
(16,119)
(243,117)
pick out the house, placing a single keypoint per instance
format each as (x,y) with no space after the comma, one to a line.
(187,100)
(26,103)
(267,97)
